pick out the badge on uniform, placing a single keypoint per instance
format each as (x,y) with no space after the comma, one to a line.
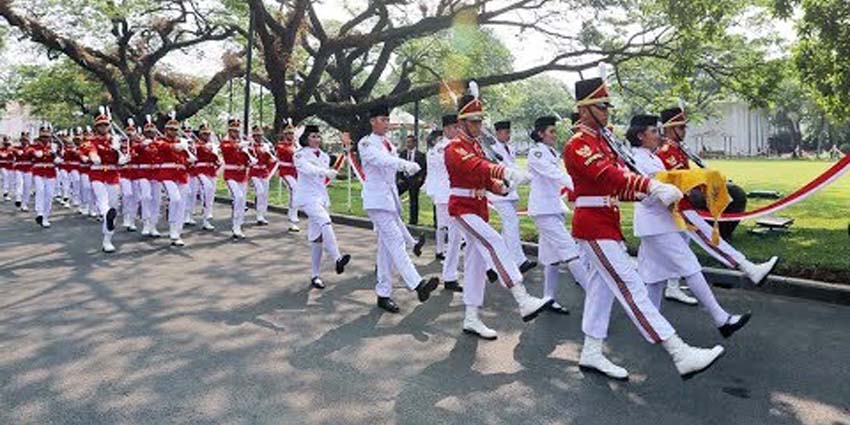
(584,151)
(538,154)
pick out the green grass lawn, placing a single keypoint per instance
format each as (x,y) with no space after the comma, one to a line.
(818,246)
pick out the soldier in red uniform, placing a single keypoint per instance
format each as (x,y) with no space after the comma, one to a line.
(672,154)
(44,159)
(173,155)
(203,176)
(471,176)
(284,151)
(129,174)
(147,184)
(261,172)
(71,159)
(8,174)
(104,153)
(601,182)
(23,171)
(236,155)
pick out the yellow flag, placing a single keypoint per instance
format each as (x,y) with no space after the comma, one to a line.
(713,185)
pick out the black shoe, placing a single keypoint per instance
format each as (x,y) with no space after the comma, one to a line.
(317,283)
(417,249)
(492,276)
(110,219)
(557,308)
(440,257)
(527,265)
(425,287)
(727,329)
(387,304)
(453,286)
(341,263)
(17,204)
(39,220)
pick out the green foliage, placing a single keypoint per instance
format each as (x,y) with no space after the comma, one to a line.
(60,93)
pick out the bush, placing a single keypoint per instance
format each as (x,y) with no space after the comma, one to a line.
(845,148)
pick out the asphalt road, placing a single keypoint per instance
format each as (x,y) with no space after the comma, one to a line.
(224,332)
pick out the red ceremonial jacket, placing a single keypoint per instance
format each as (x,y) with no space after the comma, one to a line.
(265,162)
(235,161)
(598,172)
(23,162)
(107,170)
(208,162)
(284,152)
(5,158)
(42,161)
(172,162)
(470,171)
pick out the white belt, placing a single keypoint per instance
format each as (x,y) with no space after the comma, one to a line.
(75,163)
(204,164)
(286,164)
(43,166)
(104,167)
(171,165)
(467,193)
(596,202)
(145,166)
(235,167)
(24,163)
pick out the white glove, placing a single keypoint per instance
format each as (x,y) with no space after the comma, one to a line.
(331,173)
(410,168)
(265,148)
(516,176)
(182,145)
(146,142)
(244,144)
(95,160)
(123,159)
(39,154)
(58,160)
(567,182)
(666,193)
(116,143)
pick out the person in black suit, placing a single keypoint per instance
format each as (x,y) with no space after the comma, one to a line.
(412,183)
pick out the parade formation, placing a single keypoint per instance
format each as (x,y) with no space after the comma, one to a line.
(113,172)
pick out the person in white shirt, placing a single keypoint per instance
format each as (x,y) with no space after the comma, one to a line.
(311,197)
(505,205)
(449,237)
(380,163)
(664,251)
(557,250)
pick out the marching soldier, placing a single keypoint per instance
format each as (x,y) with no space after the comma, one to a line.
(129,174)
(600,183)
(84,170)
(664,253)
(148,185)
(44,160)
(674,122)
(311,196)
(63,170)
(23,170)
(470,176)
(286,168)
(6,168)
(260,173)
(174,157)
(72,161)
(203,176)
(449,237)
(505,206)
(557,249)
(381,201)
(104,153)
(237,158)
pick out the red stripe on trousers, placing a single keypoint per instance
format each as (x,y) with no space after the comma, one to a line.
(708,242)
(621,285)
(499,267)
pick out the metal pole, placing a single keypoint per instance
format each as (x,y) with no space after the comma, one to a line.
(250,58)
(416,122)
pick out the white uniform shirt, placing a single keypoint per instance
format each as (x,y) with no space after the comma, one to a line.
(437,179)
(380,163)
(651,216)
(310,187)
(547,180)
(506,151)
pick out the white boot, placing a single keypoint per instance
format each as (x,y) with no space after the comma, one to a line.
(293,228)
(107,243)
(207,225)
(593,359)
(473,325)
(174,235)
(237,232)
(689,360)
(146,228)
(293,218)
(674,292)
(154,232)
(529,307)
(757,273)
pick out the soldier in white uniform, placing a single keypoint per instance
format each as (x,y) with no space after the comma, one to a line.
(505,206)
(664,252)
(448,235)
(557,249)
(311,197)
(381,201)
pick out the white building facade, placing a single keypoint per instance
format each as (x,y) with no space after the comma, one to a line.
(738,130)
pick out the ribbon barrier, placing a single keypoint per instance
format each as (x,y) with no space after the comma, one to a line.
(828,177)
